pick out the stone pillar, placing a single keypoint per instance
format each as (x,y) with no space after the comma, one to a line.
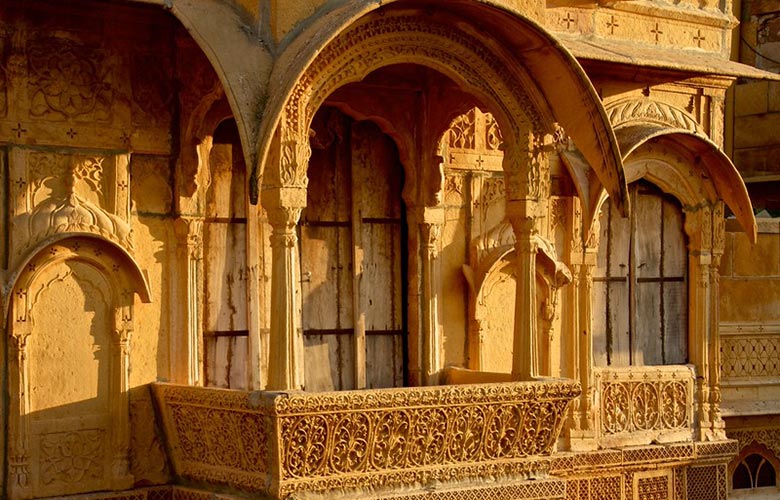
(698,227)
(527,176)
(433,344)
(186,355)
(414,286)
(120,404)
(522,217)
(285,364)
(19,479)
(718,247)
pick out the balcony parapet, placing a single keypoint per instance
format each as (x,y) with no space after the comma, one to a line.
(286,443)
(644,404)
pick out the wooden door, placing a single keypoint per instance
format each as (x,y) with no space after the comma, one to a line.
(353,259)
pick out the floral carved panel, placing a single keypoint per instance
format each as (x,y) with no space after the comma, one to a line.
(639,405)
(69,80)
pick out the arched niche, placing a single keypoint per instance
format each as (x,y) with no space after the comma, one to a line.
(493,286)
(70,321)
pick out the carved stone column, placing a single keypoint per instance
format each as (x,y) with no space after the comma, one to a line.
(187,349)
(433,344)
(285,364)
(698,227)
(524,360)
(527,174)
(120,403)
(718,247)
(20,482)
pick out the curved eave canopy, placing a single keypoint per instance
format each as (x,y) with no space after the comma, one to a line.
(560,80)
(714,163)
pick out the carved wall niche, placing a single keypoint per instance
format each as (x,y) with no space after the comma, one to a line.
(57,193)
(68,415)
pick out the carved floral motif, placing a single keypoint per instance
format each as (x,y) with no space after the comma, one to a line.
(69,80)
(72,457)
(493,137)
(645,399)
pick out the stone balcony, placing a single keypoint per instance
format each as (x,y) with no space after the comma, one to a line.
(298,443)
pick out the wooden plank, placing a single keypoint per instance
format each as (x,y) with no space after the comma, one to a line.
(675,252)
(238,377)
(619,323)
(384,361)
(676,322)
(321,294)
(359,163)
(647,344)
(226,277)
(331,361)
(599,322)
(649,218)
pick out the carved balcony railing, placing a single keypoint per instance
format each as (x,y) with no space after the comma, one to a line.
(285,443)
(641,405)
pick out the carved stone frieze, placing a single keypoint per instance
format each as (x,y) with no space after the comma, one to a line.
(355,439)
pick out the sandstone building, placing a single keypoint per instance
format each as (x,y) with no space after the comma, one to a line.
(398,249)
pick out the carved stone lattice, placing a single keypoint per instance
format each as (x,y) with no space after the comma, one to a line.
(652,399)
(358,439)
(702,482)
(750,355)
(653,488)
(768,437)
